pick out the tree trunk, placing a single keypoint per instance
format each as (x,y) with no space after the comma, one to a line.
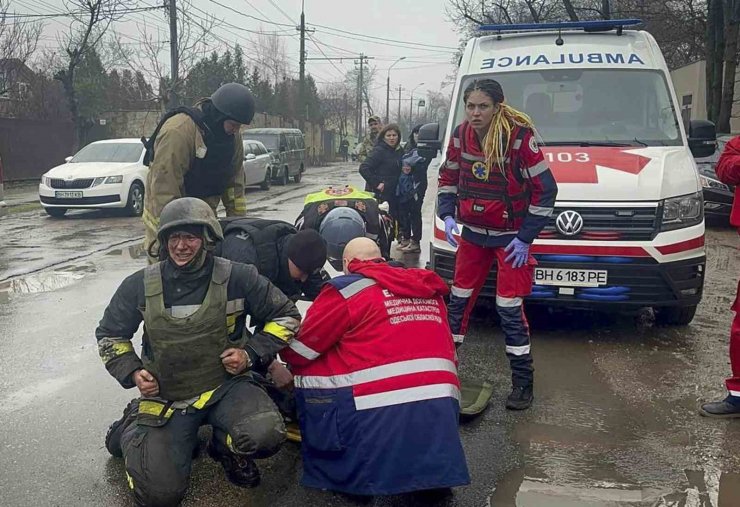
(67,79)
(715,60)
(730,66)
(572,14)
(606,12)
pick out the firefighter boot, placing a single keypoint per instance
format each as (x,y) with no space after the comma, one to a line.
(115,430)
(520,398)
(724,409)
(240,470)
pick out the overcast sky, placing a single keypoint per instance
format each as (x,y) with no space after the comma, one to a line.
(420,28)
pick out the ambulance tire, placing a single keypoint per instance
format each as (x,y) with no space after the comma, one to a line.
(675,316)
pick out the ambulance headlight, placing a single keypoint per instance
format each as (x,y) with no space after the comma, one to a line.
(683,211)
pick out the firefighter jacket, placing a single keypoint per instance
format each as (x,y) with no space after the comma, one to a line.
(376,384)
(728,172)
(263,244)
(184,295)
(179,147)
(495,204)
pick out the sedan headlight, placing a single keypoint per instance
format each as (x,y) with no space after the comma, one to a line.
(114,179)
(683,211)
(45,180)
(97,181)
(707,182)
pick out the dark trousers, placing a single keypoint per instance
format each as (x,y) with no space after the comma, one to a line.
(409,219)
(158,459)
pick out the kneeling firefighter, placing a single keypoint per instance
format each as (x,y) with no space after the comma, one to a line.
(196,359)
(197,152)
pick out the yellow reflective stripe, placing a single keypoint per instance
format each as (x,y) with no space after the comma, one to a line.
(229,443)
(122,348)
(130,481)
(150,220)
(240,205)
(154,408)
(278,331)
(230,194)
(231,321)
(324,196)
(203,399)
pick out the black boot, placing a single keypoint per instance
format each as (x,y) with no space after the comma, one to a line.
(520,398)
(240,470)
(724,409)
(115,430)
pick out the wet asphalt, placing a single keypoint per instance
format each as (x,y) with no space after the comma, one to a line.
(614,421)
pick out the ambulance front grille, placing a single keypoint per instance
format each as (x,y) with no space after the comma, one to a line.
(609,224)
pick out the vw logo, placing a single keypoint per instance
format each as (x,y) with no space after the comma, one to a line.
(569,223)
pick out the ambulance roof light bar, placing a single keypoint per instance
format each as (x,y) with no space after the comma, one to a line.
(587,26)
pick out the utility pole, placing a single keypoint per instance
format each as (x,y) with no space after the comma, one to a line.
(302,101)
(360,91)
(172,100)
(399,104)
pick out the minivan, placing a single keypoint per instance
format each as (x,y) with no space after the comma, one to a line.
(628,226)
(287,150)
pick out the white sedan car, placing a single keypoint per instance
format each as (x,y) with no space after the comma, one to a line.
(103,174)
(257,168)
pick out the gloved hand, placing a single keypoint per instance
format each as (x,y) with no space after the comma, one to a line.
(450,227)
(518,252)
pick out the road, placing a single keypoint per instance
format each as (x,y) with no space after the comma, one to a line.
(614,421)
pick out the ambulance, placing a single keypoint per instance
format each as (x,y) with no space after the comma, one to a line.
(628,226)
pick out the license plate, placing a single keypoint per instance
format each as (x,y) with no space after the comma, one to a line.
(68,195)
(570,277)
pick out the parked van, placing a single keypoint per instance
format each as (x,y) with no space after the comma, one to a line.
(3,207)
(628,226)
(287,148)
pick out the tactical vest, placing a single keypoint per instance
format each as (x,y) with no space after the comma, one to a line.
(486,197)
(265,235)
(317,205)
(208,176)
(183,353)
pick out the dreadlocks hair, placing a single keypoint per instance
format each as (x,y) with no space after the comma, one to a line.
(496,142)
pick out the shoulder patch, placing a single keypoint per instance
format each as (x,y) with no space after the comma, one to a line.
(533,145)
(342,281)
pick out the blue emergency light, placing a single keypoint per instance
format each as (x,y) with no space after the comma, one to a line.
(587,26)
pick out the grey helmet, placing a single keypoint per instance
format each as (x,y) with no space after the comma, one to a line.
(235,101)
(339,227)
(189,211)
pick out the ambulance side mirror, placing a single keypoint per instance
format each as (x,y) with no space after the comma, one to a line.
(429,143)
(702,138)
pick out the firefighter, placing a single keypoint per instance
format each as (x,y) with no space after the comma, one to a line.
(197,152)
(728,172)
(196,359)
(376,381)
(496,182)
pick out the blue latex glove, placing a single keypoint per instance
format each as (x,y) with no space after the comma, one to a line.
(450,227)
(518,252)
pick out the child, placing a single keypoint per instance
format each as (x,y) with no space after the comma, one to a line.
(409,204)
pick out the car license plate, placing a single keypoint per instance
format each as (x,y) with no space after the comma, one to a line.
(68,195)
(570,277)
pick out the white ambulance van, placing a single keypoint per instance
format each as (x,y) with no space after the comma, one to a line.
(628,226)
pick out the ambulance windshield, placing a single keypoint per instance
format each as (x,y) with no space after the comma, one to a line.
(592,106)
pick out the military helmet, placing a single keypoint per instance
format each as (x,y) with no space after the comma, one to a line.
(235,101)
(339,227)
(188,211)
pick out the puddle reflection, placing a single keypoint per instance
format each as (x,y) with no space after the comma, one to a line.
(45,281)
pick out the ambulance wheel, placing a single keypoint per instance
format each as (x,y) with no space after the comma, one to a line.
(675,316)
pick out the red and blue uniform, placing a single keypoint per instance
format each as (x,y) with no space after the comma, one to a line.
(376,384)
(495,205)
(728,172)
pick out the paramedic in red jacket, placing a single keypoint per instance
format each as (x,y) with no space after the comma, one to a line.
(376,381)
(498,185)
(728,172)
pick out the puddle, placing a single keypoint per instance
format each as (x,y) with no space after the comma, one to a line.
(45,281)
(132,252)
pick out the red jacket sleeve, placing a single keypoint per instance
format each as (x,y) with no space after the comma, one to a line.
(542,186)
(728,166)
(327,320)
(449,174)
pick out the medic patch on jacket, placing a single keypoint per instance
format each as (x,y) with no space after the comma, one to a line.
(480,170)
(533,145)
(323,208)
(338,192)
(478,208)
(360,206)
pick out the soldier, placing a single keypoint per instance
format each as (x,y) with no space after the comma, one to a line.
(196,359)
(371,138)
(197,152)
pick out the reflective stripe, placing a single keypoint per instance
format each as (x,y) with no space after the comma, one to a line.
(182,311)
(278,331)
(150,221)
(540,211)
(734,393)
(111,348)
(454,166)
(230,443)
(458,338)
(450,189)
(536,169)
(375,373)
(240,205)
(456,142)
(130,481)
(505,302)
(461,293)
(302,350)
(235,305)
(122,348)
(203,399)
(409,395)
(355,287)
(154,408)
(489,232)
(517,144)
(473,158)
(518,351)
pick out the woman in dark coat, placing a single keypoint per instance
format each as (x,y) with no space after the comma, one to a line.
(420,169)
(382,167)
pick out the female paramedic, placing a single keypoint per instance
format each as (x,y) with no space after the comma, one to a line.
(499,185)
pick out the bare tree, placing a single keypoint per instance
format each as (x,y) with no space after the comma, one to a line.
(270,56)
(151,57)
(337,107)
(731,26)
(18,41)
(91,20)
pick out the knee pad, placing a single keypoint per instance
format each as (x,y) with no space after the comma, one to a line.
(259,436)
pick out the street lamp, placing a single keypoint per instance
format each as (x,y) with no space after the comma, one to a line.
(388,89)
(411,107)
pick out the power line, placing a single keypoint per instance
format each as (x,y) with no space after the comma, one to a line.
(250,16)
(417,44)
